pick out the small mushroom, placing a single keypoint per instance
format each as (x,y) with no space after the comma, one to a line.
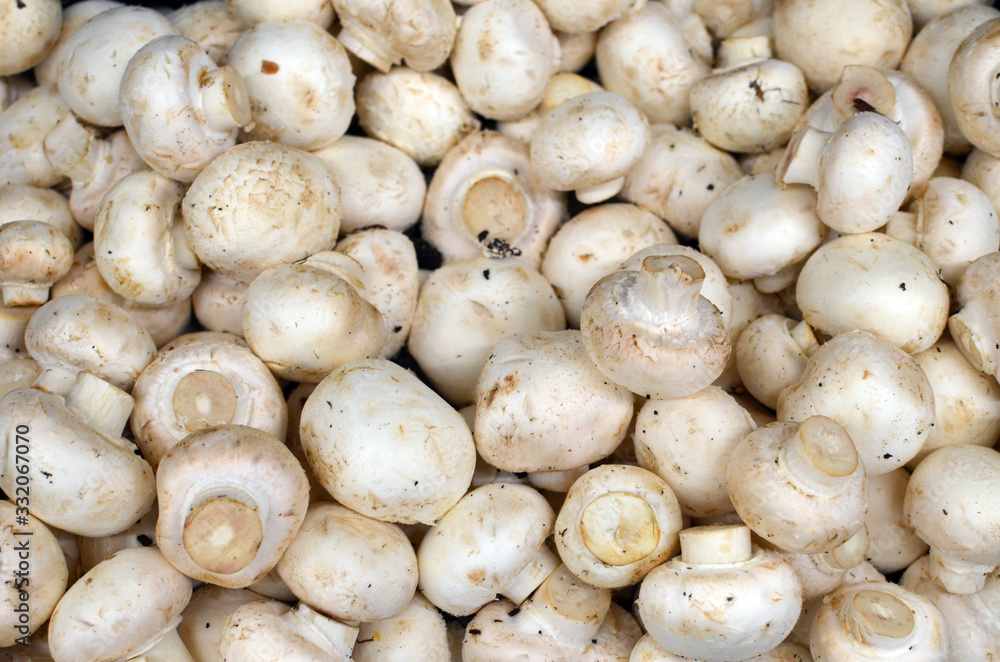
(230,501)
(218,302)
(33,256)
(385,32)
(416,632)
(771,353)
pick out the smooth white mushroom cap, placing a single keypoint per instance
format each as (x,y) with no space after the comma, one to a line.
(330,567)
(465,307)
(892,543)
(972,89)
(503,56)
(213,24)
(29,31)
(873,389)
(678,176)
(205,617)
(139,242)
(23,127)
(486,188)
(180,110)
(687,442)
(492,541)
(73,16)
(648,58)
(379,184)
(416,632)
(218,302)
(879,620)
(721,599)
(28,598)
(119,609)
(408,457)
(230,501)
(299,82)
(771,353)
(875,283)
(260,204)
(203,385)
(421,113)
(588,143)
(112,38)
(542,405)
(384,32)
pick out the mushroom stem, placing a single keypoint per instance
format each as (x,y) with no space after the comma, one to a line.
(168,649)
(803,336)
(222,534)
(972,328)
(103,405)
(820,455)
(368,47)
(224,99)
(568,610)
(862,88)
(878,619)
(56,379)
(785,277)
(494,205)
(956,575)
(717,544)
(905,226)
(591,195)
(13,320)
(541,565)
(850,553)
(184,257)
(801,160)
(741,51)
(666,291)
(619,528)
(75,150)
(204,399)
(25,295)
(332,636)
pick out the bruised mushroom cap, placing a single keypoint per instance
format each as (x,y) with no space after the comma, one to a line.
(407,463)
(230,499)
(139,243)
(486,188)
(329,565)
(873,282)
(503,56)
(112,38)
(617,523)
(588,143)
(203,385)
(73,16)
(260,204)
(379,184)
(181,110)
(876,621)
(845,378)
(651,331)
(384,32)
(492,541)
(299,82)
(29,32)
(542,405)
(119,609)
(74,333)
(972,86)
(213,24)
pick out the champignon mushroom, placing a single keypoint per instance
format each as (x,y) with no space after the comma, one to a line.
(971,86)
(23,127)
(258,11)
(213,24)
(892,543)
(33,256)
(218,302)
(204,618)
(384,32)
(73,16)
(771,353)
(29,32)
(268,631)
(230,501)
(418,631)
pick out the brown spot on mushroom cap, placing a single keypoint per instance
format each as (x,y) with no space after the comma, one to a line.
(268,67)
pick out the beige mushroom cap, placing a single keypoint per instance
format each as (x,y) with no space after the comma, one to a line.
(33,256)
(213,24)
(23,127)
(73,16)
(260,204)
(384,32)
(28,32)
(972,86)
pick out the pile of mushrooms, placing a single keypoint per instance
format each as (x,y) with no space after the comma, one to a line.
(611,330)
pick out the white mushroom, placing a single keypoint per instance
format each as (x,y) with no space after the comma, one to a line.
(33,256)
(181,110)
(73,16)
(771,353)
(29,32)
(218,302)
(204,618)
(257,11)
(270,632)
(971,86)
(299,82)
(416,632)
(213,24)
(892,543)
(384,32)
(23,127)
(21,202)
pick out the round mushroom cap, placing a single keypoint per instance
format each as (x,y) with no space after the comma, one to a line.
(213,24)
(73,16)
(33,256)
(230,499)
(23,127)
(28,32)
(330,565)
(407,463)
(384,32)
(260,204)
(416,632)
(268,631)
(111,38)
(80,332)
(972,89)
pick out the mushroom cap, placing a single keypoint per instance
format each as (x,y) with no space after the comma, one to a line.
(260,204)
(971,86)
(574,17)
(139,244)
(329,565)
(542,405)
(588,140)
(268,631)
(119,609)
(299,81)
(112,38)
(416,632)
(203,385)
(875,283)
(169,109)
(218,302)
(383,32)
(256,476)
(33,256)
(79,332)
(22,202)
(407,463)
(73,16)
(213,24)
(28,36)
(204,618)
(892,543)
(257,11)
(873,389)
(23,127)
(481,545)
(503,56)
(617,523)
